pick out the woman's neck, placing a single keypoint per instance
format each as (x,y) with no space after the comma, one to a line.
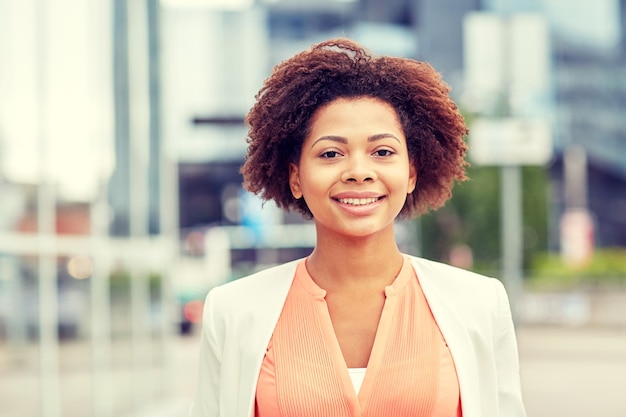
(344,262)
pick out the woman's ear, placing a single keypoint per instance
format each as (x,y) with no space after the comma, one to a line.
(412,177)
(294,181)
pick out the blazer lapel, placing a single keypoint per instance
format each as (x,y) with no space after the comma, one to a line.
(441,299)
(263,310)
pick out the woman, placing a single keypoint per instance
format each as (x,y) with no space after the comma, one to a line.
(357,328)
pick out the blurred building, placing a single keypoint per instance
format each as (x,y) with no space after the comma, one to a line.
(588,44)
(590,92)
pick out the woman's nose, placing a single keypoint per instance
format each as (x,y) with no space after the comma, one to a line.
(358,169)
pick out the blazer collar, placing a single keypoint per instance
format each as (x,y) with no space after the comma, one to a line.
(435,280)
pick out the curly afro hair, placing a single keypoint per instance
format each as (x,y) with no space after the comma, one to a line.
(280,119)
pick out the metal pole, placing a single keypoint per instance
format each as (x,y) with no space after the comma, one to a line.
(575,167)
(48,304)
(512,231)
(101,307)
(163,174)
(46,233)
(154,123)
(510,188)
(139,112)
(102,399)
(169,230)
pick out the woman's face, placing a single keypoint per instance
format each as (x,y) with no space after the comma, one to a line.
(354,171)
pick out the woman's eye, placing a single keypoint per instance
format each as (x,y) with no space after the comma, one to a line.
(330,154)
(383,152)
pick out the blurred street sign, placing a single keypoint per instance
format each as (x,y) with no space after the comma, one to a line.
(510,141)
(507,54)
(577,237)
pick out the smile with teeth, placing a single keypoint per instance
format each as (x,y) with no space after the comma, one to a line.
(359,201)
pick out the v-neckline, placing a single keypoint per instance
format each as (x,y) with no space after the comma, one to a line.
(380,339)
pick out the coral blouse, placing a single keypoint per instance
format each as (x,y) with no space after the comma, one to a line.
(410,370)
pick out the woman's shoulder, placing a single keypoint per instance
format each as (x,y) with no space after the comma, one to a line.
(461,289)
(247,308)
(447,274)
(266,283)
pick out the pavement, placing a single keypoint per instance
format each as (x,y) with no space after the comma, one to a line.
(566,371)
(572,371)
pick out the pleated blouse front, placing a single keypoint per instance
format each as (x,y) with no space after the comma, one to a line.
(410,370)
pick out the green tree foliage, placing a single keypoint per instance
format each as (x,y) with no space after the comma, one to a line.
(606,269)
(472,218)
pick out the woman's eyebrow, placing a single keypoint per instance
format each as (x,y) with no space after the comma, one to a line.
(380,136)
(332,138)
(341,139)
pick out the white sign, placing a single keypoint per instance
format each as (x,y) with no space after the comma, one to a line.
(507,55)
(510,141)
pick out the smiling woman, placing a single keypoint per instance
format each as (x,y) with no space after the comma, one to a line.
(356,328)
(429,119)
(354,172)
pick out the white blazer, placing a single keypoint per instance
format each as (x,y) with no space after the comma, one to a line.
(472,312)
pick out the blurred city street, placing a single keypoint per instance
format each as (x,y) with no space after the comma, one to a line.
(573,372)
(122,135)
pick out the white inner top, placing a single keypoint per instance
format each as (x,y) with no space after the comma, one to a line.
(357,375)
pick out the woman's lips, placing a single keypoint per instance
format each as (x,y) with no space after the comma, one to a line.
(359,205)
(358,201)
